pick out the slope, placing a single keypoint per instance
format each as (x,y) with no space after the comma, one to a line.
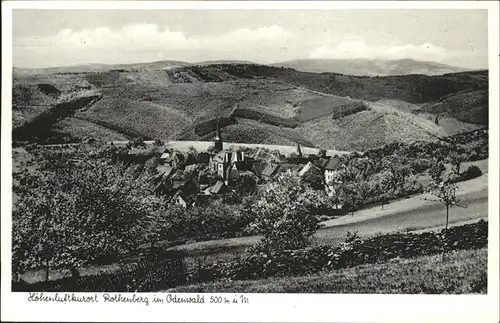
(257,103)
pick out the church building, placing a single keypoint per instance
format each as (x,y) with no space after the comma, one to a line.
(225,162)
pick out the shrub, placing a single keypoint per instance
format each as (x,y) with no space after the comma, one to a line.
(472,172)
(353,252)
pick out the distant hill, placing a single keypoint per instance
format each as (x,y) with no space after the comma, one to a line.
(256,104)
(97,67)
(367,67)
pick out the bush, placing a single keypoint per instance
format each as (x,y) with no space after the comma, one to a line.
(353,252)
(472,172)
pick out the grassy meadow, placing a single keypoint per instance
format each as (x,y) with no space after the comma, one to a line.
(457,272)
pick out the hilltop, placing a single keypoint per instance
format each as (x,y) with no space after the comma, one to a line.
(255,103)
(370,67)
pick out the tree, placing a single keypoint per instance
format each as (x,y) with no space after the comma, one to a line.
(246,184)
(380,186)
(285,213)
(151,164)
(349,196)
(456,158)
(69,216)
(436,171)
(138,143)
(322,153)
(445,190)
(399,170)
(216,220)
(314,178)
(154,223)
(203,177)
(192,156)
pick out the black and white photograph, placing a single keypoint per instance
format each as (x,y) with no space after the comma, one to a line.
(272,151)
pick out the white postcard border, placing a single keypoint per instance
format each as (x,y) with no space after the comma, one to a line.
(262,307)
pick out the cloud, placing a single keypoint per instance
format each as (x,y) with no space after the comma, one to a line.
(143,42)
(359,49)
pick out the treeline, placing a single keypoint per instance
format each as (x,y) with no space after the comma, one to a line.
(248,113)
(391,172)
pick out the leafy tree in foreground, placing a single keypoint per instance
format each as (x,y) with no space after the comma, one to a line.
(285,213)
(67,217)
(314,177)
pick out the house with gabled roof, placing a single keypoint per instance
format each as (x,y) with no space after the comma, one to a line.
(161,188)
(269,171)
(187,186)
(331,169)
(203,158)
(305,169)
(257,168)
(224,159)
(179,199)
(321,162)
(164,156)
(218,188)
(294,168)
(175,159)
(165,171)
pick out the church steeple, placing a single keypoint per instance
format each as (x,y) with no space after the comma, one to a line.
(299,151)
(218,138)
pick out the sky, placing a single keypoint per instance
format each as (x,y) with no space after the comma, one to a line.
(46,38)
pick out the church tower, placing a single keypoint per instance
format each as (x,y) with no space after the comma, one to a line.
(299,151)
(218,138)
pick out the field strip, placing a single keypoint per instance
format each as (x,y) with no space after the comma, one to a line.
(475,189)
(453,224)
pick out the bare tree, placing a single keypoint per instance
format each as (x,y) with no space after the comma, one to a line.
(445,190)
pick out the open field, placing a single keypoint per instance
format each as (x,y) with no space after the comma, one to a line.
(81,129)
(458,272)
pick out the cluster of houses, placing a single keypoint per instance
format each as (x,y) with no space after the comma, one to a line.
(181,179)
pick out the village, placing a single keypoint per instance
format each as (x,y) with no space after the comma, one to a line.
(197,178)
